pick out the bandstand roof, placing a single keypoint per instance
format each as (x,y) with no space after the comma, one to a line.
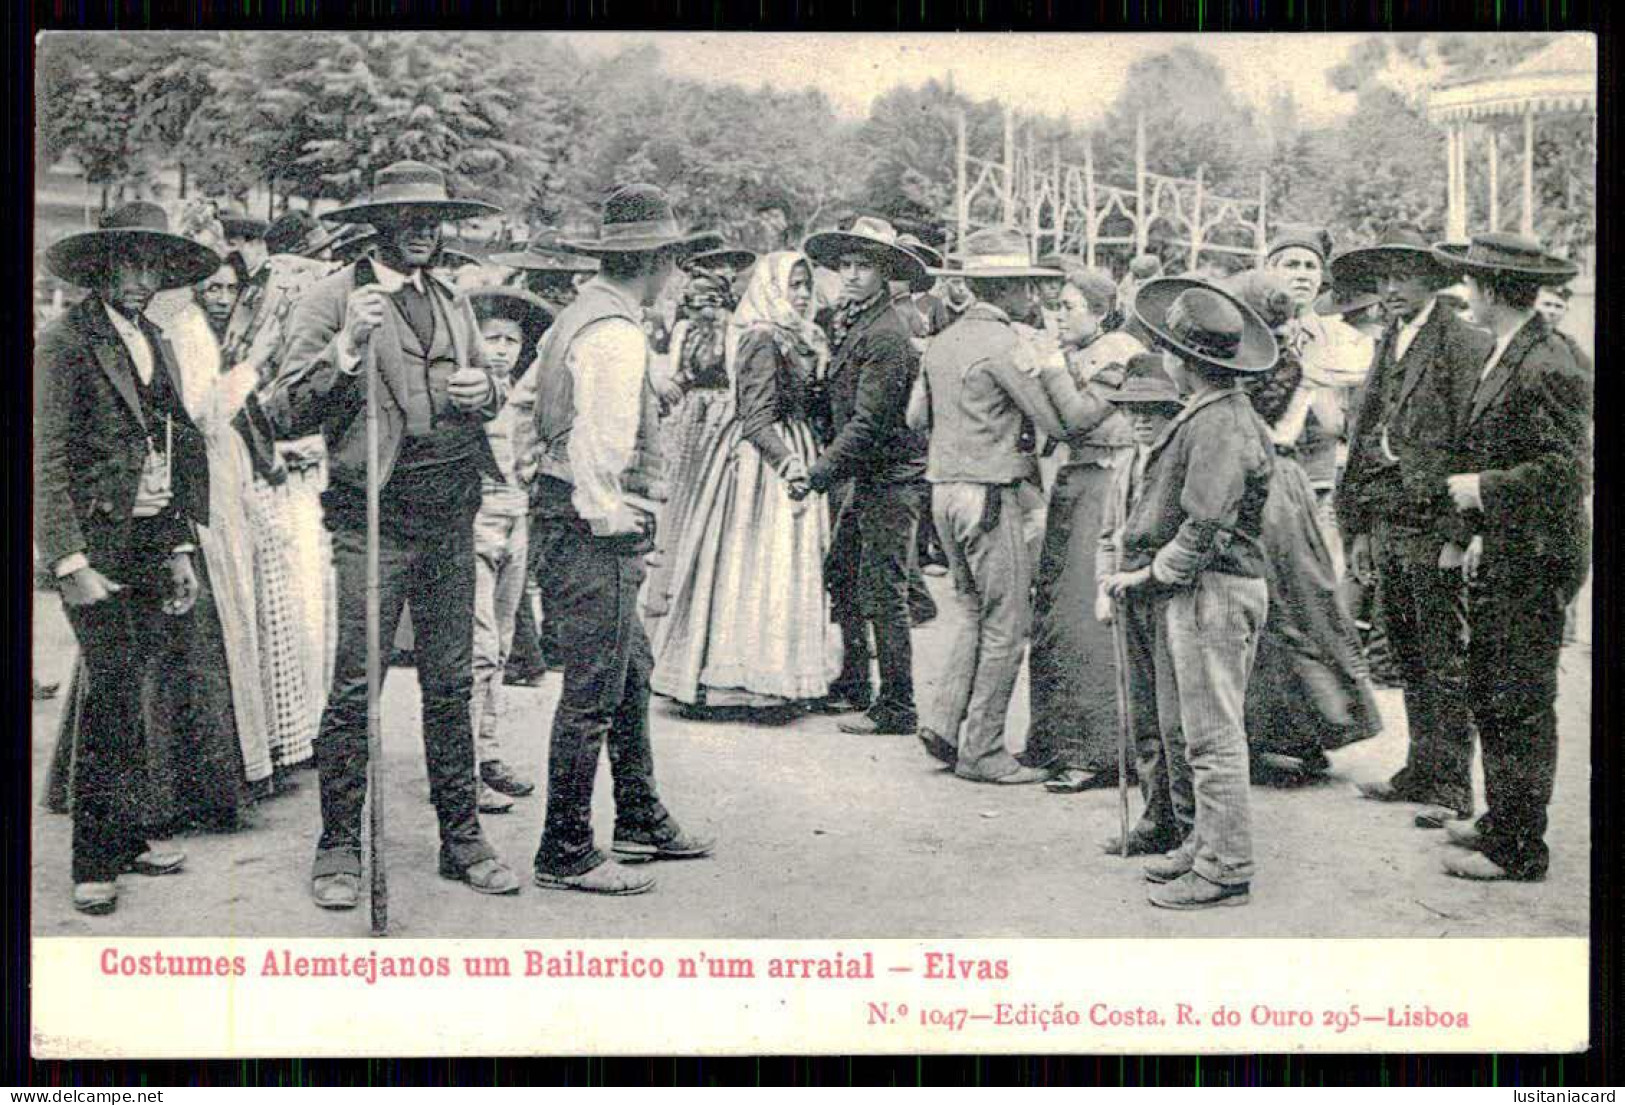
(1560,80)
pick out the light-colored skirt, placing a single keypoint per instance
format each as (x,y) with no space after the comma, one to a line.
(749,619)
(688,440)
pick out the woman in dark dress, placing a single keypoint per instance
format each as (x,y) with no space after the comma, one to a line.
(1309,691)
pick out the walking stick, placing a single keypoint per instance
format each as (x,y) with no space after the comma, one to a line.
(375,742)
(1120,647)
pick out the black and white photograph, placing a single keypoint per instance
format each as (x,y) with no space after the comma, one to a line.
(812,487)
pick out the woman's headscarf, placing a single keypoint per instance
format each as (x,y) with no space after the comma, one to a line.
(707,300)
(766,303)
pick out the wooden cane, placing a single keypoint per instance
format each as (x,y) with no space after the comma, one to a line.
(375,742)
(1120,646)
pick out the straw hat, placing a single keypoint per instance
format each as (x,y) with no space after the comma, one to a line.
(997,253)
(874,238)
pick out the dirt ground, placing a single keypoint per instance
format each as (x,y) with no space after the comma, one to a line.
(825,835)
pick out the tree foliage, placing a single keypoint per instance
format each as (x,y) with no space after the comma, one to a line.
(527,123)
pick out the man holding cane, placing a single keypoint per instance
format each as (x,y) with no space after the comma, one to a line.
(386,314)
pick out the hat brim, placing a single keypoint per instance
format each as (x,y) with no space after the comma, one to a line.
(739,259)
(1328,305)
(1359,267)
(450,211)
(1128,399)
(534,313)
(551,261)
(1453,256)
(683,244)
(1256,352)
(244,228)
(82,259)
(827,247)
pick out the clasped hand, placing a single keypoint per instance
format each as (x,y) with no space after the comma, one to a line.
(1119,584)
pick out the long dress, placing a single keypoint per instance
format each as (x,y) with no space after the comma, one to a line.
(690,436)
(1071,664)
(749,619)
(1309,692)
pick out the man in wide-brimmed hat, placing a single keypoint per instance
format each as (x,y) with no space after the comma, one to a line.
(598,489)
(511,322)
(979,384)
(1519,484)
(389,314)
(1396,519)
(1193,539)
(1149,401)
(546,270)
(120,479)
(876,465)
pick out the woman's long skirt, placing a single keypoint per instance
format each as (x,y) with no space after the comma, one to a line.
(1309,691)
(749,619)
(1072,664)
(193,763)
(690,438)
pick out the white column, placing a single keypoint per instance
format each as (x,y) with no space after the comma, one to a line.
(1456,216)
(1526,226)
(1495,186)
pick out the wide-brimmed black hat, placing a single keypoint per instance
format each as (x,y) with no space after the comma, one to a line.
(142,227)
(1202,323)
(299,233)
(737,259)
(872,237)
(240,224)
(542,253)
(410,186)
(1399,246)
(532,315)
(638,218)
(930,257)
(1503,254)
(1341,301)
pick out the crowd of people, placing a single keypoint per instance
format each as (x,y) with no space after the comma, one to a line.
(1203,510)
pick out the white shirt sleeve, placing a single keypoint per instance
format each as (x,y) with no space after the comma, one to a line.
(607,361)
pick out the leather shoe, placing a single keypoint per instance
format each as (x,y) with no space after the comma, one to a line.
(1480,868)
(614,880)
(870,726)
(1166,868)
(1437,817)
(1142,844)
(1464,834)
(153,862)
(938,748)
(95,898)
(498,776)
(340,891)
(838,703)
(487,876)
(1192,891)
(1383,790)
(643,847)
(491,802)
(1021,776)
